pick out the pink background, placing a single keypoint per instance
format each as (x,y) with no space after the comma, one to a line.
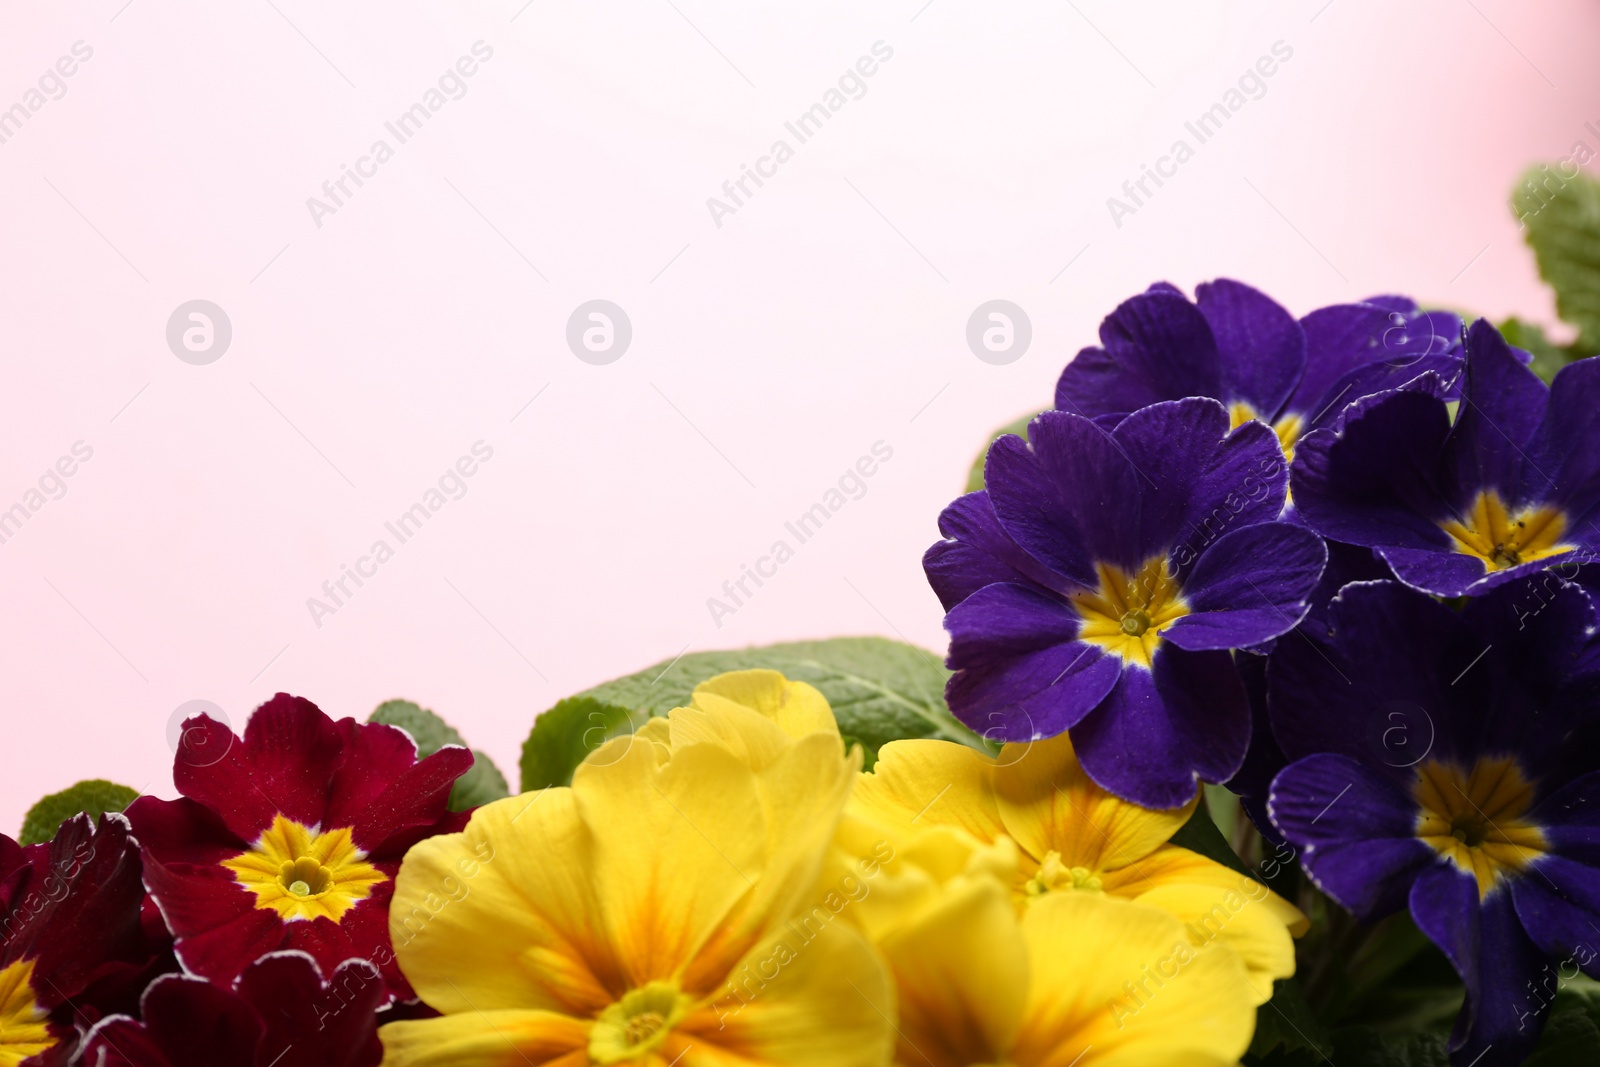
(767,356)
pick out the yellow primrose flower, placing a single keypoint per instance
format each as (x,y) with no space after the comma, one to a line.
(755,714)
(1070,836)
(647,914)
(1080,979)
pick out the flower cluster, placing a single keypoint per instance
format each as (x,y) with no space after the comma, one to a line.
(246,923)
(725,887)
(1340,565)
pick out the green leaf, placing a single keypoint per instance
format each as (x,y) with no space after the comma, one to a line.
(975,475)
(881,691)
(1572,1034)
(564,735)
(95,796)
(1287,1030)
(1563,228)
(1362,1046)
(481,784)
(1201,834)
(1548,357)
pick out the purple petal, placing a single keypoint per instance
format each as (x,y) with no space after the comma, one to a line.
(1378,690)
(1558,904)
(1392,302)
(1262,348)
(1160,729)
(1501,408)
(1542,667)
(1381,376)
(1439,571)
(977,552)
(1020,670)
(1500,1022)
(1338,340)
(1250,586)
(1346,564)
(1566,451)
(1374,481)
(1197,480)
(1067,496)
(1357,830)
(1571,819)
(1157,346)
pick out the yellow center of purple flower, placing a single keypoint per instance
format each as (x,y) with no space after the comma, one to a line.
(1476,818)
(1127,613)
(1287,428)
(23,1031)
(1504,539)
(303,874)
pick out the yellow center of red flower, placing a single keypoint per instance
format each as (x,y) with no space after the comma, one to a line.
(1127,613)
(303,874)
(1476,818)
(1287,428)
(1504,539)
(23,1030)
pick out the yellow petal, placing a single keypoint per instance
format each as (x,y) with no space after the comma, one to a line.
(802,795)
(961,971)
(802,999)
(895,875)
(487,1039)
(1175,865)
(658,730)
(756,740)
(1231,921)
(1049,804)
(504,915)
(924,783)
(676,847)
(24,1026)
(1114,982)
(796,707)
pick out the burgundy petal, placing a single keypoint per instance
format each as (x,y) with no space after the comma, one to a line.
(415,797)
(182,831)
(310,1023)
(79,918)
(289,755)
